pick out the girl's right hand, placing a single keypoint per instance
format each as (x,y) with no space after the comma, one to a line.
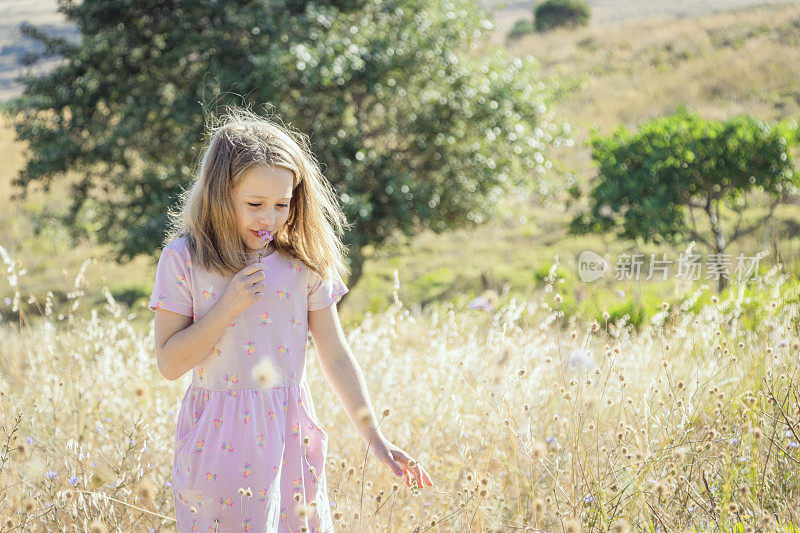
(246,288)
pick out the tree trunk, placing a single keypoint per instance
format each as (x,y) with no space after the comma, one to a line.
(719,237)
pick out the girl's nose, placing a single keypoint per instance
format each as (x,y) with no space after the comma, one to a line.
(267,220)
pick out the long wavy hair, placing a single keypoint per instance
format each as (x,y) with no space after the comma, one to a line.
(206,214)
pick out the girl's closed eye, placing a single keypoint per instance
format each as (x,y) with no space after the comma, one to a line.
(257,205)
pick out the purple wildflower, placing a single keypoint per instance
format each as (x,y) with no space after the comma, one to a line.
(266,238)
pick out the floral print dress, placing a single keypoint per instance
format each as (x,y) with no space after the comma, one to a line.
(233,435)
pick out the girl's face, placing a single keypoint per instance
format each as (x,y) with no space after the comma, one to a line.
(262,202)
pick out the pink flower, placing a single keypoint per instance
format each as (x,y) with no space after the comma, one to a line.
(266,238)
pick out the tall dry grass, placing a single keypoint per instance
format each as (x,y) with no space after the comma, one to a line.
(524,421)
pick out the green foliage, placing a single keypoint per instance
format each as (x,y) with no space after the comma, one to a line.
(131,295)
(412,133)
(542,273)
(558,13)
(434,284)
(648,179)
(521,28)
(632,309)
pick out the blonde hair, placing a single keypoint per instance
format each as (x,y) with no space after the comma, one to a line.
(206,215)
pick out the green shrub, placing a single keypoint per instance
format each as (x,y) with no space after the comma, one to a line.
(542,271)
(637,314)
(521,27)
(557,13)
(648,180)
(433,284)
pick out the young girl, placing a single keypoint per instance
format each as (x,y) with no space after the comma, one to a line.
(249,453)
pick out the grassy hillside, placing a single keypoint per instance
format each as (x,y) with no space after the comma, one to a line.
(719,65)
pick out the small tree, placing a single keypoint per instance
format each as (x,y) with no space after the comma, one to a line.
(557,13)
(521,28)
(647,180)
(412,131)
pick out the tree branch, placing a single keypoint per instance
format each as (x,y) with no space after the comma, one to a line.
(750,229)
(719,239)
(686,199)
(691,215)
(738,223)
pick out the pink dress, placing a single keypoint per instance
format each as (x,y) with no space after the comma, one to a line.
(233,434)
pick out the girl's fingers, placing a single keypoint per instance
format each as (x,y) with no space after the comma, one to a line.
(399,458)
(394,461)
(420,474)
(394,465)
(423,478)
(417,475)
(427,477)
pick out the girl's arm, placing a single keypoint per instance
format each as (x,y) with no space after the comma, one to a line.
(347,379)
(343,371)
(180,348)
(179,351)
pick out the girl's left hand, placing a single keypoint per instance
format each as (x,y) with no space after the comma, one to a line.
(398,460)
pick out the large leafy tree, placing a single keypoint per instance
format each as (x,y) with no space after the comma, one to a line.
(409,125)
(656,184)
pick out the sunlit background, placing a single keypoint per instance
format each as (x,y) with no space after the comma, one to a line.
(491,169)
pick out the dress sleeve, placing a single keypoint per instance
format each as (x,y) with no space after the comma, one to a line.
(322,293)
(172,288)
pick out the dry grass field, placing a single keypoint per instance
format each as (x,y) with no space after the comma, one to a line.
(612,406)
(526,420)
